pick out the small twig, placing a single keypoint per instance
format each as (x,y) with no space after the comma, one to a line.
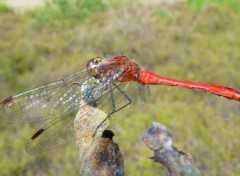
(159,139)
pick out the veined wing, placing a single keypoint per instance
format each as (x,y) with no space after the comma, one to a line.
(49,101)
(79,124)
(45,102)
(63,130)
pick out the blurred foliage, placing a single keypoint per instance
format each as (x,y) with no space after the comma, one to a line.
(3,7)
(169,39)
(201,4)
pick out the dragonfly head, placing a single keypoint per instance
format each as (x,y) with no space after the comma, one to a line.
(93,66)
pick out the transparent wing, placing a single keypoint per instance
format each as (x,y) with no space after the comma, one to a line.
(46,102)
(66,129)
(108,102)
(49,101)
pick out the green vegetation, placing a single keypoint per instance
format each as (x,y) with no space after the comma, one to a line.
(3,7)
(66,12)
(51,42)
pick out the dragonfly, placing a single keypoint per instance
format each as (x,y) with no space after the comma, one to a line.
(116,86)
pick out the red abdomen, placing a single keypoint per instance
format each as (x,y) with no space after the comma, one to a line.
(147,77)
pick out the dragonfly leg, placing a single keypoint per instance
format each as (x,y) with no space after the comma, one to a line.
(125,95)
(113,103)
(112,111)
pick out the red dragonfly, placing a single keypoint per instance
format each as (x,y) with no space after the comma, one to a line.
(116,86)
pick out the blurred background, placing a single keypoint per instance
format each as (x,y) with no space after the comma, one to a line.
(194,40)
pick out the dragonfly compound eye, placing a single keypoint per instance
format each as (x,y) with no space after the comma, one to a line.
(92,66)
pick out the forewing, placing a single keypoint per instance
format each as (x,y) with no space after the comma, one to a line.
(45,102)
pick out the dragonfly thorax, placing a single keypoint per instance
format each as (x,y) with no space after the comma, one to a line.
(118,68)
